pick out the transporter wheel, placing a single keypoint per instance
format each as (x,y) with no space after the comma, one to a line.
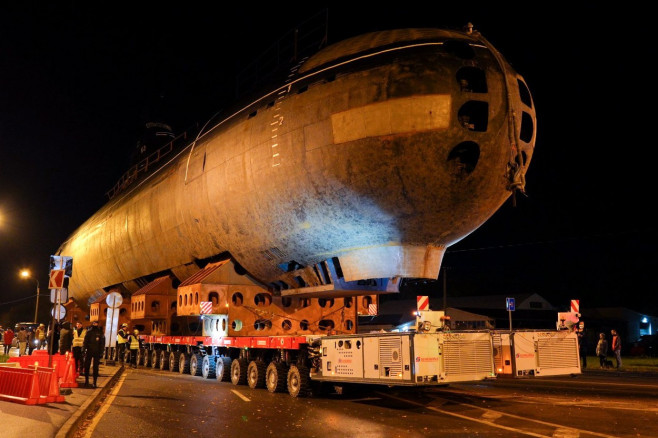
(145,357)
(239,371)
(181,362)
(126,356)
(164,360)
(155,359)
(276,377)
(223,369)
(195,364)
(208,367)
(173,359)
(299,381)
(256,374)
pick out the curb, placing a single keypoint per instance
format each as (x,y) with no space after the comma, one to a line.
(73,423)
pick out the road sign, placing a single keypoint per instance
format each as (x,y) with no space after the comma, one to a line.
(56,279)
(575,306)
(422,303)
(510,304)
(62,298)
(114,300)
(62,262)
(58,312)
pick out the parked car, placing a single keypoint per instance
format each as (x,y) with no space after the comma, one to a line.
(646,345)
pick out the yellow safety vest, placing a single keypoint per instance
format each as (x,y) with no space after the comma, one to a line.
(78,340)
(134,342)
(121,338)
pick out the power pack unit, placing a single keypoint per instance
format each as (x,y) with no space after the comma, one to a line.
(531,353)
(412,359)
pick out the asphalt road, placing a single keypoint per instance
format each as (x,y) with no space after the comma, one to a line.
(154,403)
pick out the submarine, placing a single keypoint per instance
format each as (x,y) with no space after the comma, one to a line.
(373,156)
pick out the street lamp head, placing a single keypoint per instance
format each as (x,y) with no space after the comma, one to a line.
(25,273)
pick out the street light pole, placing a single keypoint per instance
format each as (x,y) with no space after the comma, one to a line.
(26,274)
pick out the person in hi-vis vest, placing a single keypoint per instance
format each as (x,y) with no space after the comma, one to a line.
(133,342)
(78,340)
(122,340)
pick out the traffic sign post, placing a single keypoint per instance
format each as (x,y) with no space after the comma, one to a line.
(511,306)
(114,301)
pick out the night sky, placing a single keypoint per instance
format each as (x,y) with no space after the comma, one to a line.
(78,82)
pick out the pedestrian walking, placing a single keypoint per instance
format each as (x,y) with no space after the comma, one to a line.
(8,337)
(77,343)
(93,346)
(31,340)
(22,341)
(602,349)
(616,347)
(41,336)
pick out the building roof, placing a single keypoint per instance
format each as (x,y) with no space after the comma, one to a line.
(203,273)
(100,299)
(152,287)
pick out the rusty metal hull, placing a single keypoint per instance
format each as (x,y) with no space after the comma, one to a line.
(372,153)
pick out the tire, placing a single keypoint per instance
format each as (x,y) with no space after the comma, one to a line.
(298,381)
(184,363)
(126,357)
(239,371)
(164,360)
(276,377)
(173,361)
(256,374)
(208,367)
(223,369)
(155,359)
(146,357)
(195,364)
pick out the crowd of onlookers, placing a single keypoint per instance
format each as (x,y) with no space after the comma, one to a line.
(25,339)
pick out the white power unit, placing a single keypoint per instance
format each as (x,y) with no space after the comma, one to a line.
(536,353)
(411,359)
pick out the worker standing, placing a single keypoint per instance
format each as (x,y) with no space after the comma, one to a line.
(122,339)
(78,341)
(133,342)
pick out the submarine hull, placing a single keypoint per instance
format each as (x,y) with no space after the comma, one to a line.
(380,151)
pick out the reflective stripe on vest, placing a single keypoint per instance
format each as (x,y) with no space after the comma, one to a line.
(134,342)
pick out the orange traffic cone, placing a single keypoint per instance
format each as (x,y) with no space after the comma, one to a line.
(70,374)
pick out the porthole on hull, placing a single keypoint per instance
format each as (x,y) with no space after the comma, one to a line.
(472,80)
(527,128)
(463,158)
(474,115)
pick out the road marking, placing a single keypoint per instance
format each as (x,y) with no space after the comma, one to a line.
(465,417)
(559,427)
(240,395)
(624,385)
(97,418)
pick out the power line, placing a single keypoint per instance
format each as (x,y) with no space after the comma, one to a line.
(23,299)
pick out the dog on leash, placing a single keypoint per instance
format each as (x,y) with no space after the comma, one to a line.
(607,364)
